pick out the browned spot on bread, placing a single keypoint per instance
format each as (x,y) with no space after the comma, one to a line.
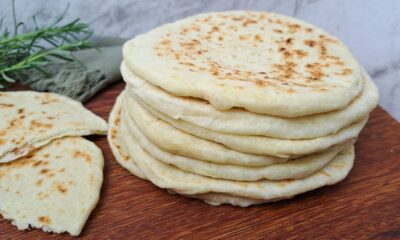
(238,18)
(6,105)
(243,37)
(79,154)
(36,124)
(310,43)
(39,182)
(248,22)
(258,38)
(283,183)
(215,29)
(165,42)
(45,220)
(259,83)
(61,188)
(345,71)
(300,53)
(290,91)
(2,141)
(293,27)
(44,171)
(37,163)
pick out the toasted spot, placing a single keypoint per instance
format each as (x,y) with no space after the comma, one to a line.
(258,38)
(283,183)
(39,182)
(44,171)
(61,188)
(259,83)
(310,43)
(2,141)
(300,53)
(37,163)
(80,154)
(36,124)
(6,105)
(45,220)
(165,42)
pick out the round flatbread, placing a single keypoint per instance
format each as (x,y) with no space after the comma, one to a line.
(263,62)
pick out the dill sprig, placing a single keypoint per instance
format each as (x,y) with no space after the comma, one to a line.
(35,49)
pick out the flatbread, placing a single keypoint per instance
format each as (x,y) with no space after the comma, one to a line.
(179,137)
(263,62)
(241,122)
(294,169)
(54,188)
(29,120)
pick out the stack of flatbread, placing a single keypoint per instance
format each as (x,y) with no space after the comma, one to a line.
(239,107)
(50,177)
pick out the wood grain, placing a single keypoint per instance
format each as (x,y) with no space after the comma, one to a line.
(365,205)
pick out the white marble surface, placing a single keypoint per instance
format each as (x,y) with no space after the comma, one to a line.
(371,28)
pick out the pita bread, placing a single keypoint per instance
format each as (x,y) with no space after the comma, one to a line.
(294,169)
(163,131)
(54,188)
(241,122)
(263,62)
(29,120)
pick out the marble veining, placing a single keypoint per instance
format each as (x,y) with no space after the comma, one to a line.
(370,28)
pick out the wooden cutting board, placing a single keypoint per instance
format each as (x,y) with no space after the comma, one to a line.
(365,205)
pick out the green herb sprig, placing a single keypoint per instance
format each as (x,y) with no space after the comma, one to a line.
(35,49)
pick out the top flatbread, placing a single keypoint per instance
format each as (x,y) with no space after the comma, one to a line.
(29,120)
(263,62)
